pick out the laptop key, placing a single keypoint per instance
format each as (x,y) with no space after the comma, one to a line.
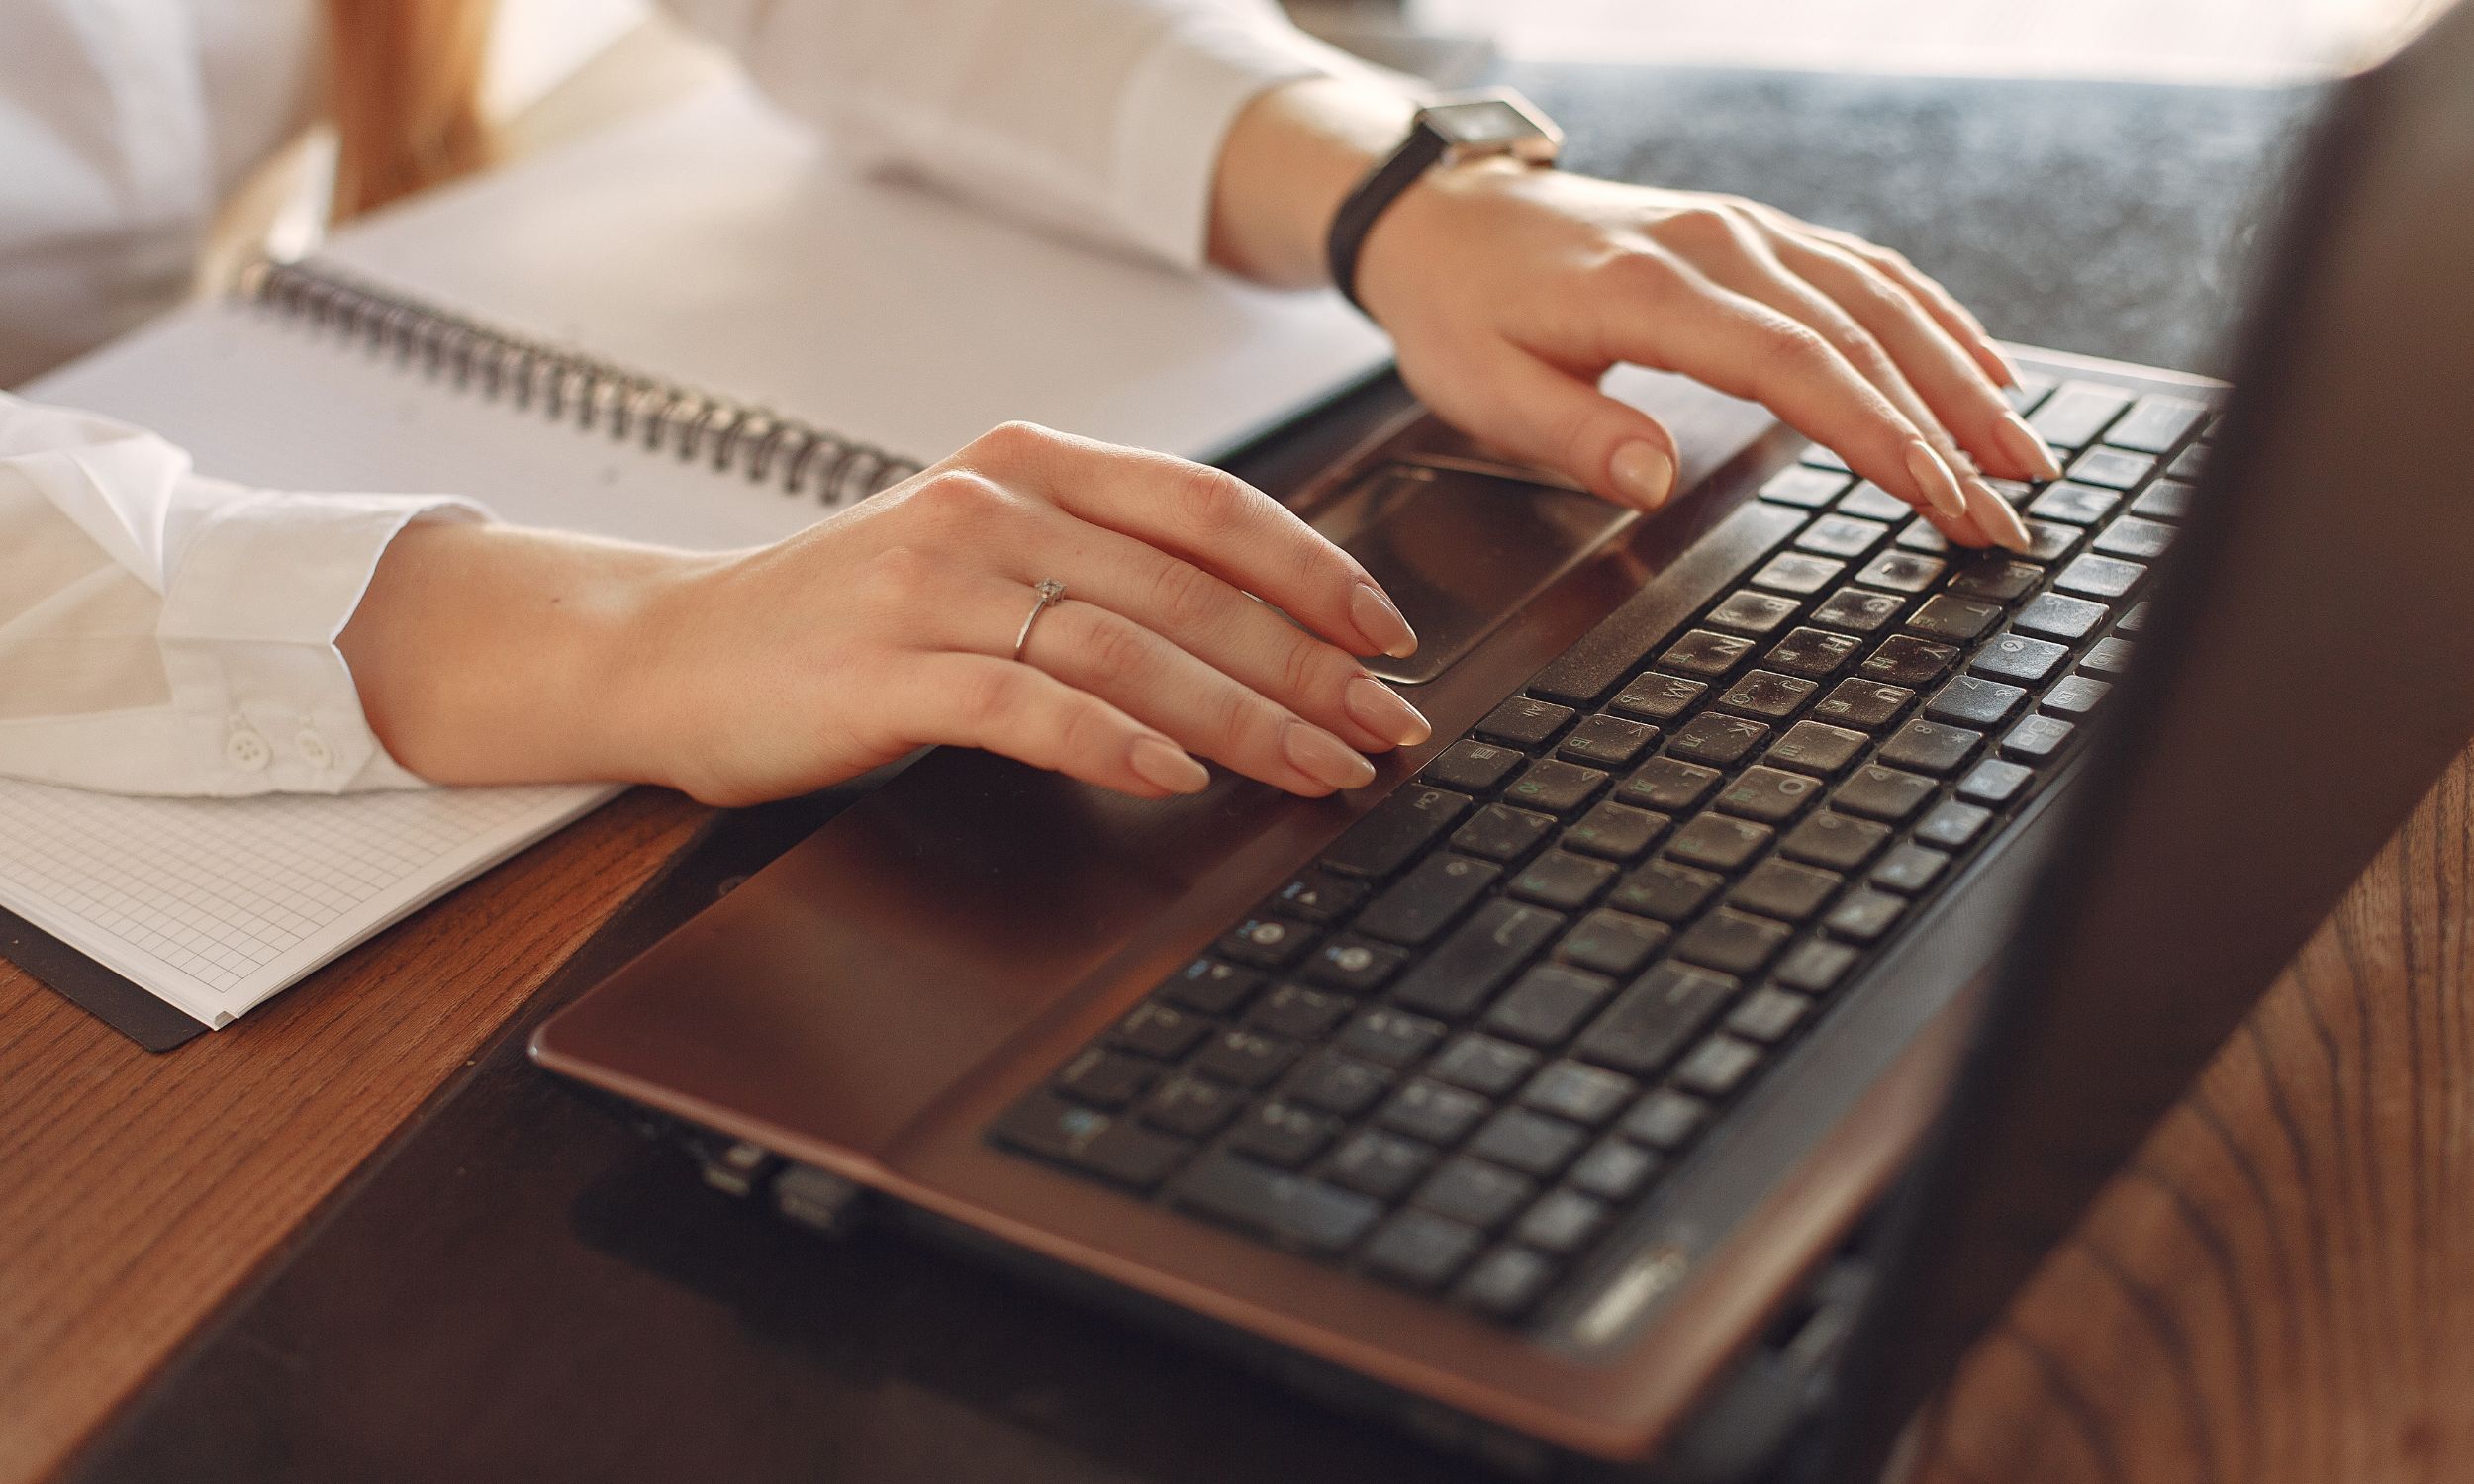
(1383,1166)
(1968,700)
(2165,500)
(1785,892)
(1604,741)
(1815,966)
(1561,1222)
(1706,653)
(1421,1249)
(1114,1148)
(1393,1038)
(1473,1192)
(1770,795)
(1858,611)
(1615,1170)
(2074,415)
(1282,1134)
(1484,1063)
(1422,903)
(2037,739)
(1338,1083)
(2112,468)
(1864,915)
(1718,841)
(2130,537)
(2016,657)
(1755,613)
(2074,696)
(1429,1110)
(1384,838)
(1838,841)
(1902,571)
(1266,942)
(1995,579)
(1907,661)
(1524,722)
(1352,966)
(1814,652)
(1274,1203)
(1247,1059)
(1190,1106)
(1615,832)
(1579,1093)
(2187,464)
(1160,1029)
(1666,1119)
(1816,747)
(1500,832)
(2074,505)
(1529,1142)
(2107,657)
(1658,698)
(1768,1015)
(1884,794)
(1297,1013)
(1929,747)
(1554,786)
(1564,881)
(2100,577)
(1994,782)
(1546,1004)
(2057,615)
(1731,941)
(1953,826)
(1872,503)
(1506,1282)
(1653,1019)
(1718,1066)
(1842,536)
(1798,573)
(1767,694)
(1470,765)
(1211,987)
(1669,785)
(2050,541)
(2033,387)
(1615,944)
(1908,870)
(1953,620)
(2157,422)
(1107,1079)
(1716,739)
(1465,970)
(1920,535)
(1317,896)
(1664,890)
(1863,703)
(1805,488)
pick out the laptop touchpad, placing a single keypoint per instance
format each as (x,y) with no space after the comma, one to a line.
(1461,550)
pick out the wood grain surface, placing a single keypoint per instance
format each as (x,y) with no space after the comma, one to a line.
(2277,1288)
(137,1192)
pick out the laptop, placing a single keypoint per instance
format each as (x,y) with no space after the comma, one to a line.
(1673,1066)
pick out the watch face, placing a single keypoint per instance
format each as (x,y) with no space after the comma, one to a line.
(1489,123)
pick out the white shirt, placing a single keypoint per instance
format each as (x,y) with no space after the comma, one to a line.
(165,632)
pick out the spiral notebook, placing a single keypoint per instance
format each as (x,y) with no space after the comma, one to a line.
(702,329)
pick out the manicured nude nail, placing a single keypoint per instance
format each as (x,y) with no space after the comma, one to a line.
(1935,479)
(2025,448)
(1643,474)
(1381,710)
(1997,519)
(1381,622)
(2010,368)
(1324,757)
(1165,764)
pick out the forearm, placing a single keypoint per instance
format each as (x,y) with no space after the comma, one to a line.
(488,654)
(1293,154)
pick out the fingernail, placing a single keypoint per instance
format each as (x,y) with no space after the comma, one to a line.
(1381,710)
(2025,448)
(1326,759)
(1164,765)
(1998,521)
(1381,622)
(1643,474)
(1933,478)
(2001,358)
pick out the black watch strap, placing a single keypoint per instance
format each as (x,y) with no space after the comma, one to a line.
(1508,125)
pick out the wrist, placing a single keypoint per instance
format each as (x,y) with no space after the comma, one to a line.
(1294,154)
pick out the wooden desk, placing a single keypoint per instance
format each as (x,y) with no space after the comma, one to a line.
(2273,1291)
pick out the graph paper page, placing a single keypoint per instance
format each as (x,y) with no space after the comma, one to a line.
(215,904)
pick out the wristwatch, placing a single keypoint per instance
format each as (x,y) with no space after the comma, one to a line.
(1456,128)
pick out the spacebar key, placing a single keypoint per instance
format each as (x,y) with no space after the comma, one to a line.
(1274,1203)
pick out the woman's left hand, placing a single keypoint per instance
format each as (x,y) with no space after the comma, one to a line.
(1509,291)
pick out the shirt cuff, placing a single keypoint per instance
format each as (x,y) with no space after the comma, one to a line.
(1176,112)
(248,628)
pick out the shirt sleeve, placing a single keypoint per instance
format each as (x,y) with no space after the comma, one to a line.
(1100,117)
(162,632)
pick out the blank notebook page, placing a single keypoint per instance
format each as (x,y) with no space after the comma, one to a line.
(214,904)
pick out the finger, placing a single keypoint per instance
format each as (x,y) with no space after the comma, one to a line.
(1938,300)
(1961,395)
(1210,620)
(960,699)
(1754,270)
(1669,315)
(1542,414)
(1212,518)
(1202,711)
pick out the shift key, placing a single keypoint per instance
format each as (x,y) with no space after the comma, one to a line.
(1388,834)
(1467,968)
(1274,1203)
(1655,1018)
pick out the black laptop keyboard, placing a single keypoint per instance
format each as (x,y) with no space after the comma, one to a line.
(1506,1001)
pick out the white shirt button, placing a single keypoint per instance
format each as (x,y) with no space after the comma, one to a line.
(313,748)
(248,750)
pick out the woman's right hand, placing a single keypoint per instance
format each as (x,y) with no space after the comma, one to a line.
(891,625)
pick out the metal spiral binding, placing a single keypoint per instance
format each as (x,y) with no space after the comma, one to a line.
(567,386)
